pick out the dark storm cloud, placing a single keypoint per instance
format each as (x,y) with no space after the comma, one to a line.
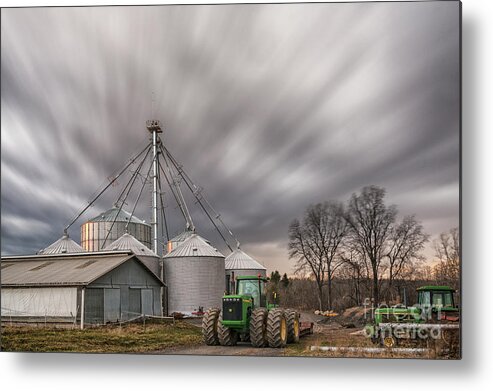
(269,108)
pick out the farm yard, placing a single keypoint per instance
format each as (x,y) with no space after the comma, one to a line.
(341,336)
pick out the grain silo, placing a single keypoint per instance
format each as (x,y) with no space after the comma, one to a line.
(146,255)
(64,245)
(238,263)
(178,239)
(95,230)
(194,275)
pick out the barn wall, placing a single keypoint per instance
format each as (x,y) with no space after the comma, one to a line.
(153,263)
(123,293)
(39,302)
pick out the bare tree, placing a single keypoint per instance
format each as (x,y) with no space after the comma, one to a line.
(304,246)
(447,250)
(406,241)
(337,229)
(316,241)
(352,271)
(370,226)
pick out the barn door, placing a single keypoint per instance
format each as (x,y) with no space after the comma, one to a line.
(134,303)
(111,304)
(147,302)
(94,305)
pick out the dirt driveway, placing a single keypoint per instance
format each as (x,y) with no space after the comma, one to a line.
(322,333)
(242,349)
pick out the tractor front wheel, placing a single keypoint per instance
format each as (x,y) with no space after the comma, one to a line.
(209,326)
(226,335)
(293,320)
(277,328)
(258,327)
(389,341)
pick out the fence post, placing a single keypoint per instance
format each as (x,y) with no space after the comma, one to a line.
(82,308)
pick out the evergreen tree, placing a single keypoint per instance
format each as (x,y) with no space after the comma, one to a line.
(285,280)
(275,277)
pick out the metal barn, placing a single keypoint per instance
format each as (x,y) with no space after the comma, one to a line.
(85,288)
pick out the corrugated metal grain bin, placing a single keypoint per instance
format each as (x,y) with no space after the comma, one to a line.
(239,263)
(194,276)
(64,245)
(146,255)
(178,239)
(94,231)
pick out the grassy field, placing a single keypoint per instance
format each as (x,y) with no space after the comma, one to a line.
(132,338)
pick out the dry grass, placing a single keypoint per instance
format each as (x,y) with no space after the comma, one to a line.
(344,338)
(132,338)
(328,337)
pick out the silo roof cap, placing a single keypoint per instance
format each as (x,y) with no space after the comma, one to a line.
(129,242)
(239,260)
(194,246)
(181,237)
(112,215)
(62,246)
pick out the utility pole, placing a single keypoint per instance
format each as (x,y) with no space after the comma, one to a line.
(154,127)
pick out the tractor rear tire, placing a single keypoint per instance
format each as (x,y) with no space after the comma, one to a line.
(277,328)
(293,320)
(210,326)
(258,327)
(226,335)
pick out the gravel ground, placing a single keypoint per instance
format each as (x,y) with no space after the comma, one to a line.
(321,334)
(242,349)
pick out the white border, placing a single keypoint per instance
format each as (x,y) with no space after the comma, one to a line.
(122,372)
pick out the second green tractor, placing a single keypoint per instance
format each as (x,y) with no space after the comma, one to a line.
(247,315)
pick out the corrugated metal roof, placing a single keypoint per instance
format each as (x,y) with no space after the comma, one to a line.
(64,245)
(181,237)
(67,270)
(239,260)
(111,214)
(194,246)
(129,242)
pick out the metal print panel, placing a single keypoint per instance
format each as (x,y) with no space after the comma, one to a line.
(238,179)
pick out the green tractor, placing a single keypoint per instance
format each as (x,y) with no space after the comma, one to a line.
(433,316)
(248,316)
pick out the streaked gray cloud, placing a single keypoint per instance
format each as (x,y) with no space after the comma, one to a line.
(269,108)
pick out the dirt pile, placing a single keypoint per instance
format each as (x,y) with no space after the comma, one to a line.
(350,318)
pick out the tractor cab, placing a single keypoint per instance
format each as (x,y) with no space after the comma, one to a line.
(250,294)
(437,303)
(254,287)
(436,297)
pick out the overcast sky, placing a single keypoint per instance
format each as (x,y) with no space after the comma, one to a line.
(268,107)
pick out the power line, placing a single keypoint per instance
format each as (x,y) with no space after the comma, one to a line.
(199,197)
(132,160)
